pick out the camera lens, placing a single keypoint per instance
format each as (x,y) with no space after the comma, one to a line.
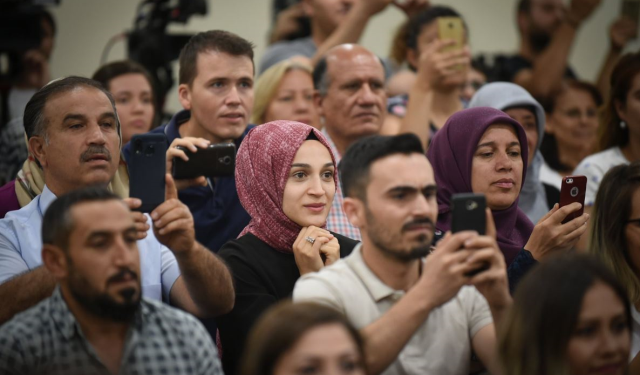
(569,180)
(226,160)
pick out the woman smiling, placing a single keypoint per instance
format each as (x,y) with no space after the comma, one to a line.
(285,175)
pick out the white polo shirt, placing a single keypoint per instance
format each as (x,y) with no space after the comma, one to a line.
(442,345)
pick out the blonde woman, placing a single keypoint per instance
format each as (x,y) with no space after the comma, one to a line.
(285,92)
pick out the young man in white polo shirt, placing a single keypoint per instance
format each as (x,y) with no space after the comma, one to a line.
(417,317)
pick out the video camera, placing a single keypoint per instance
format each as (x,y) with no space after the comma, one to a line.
(151,46)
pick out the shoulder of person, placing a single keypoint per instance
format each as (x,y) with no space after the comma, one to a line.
(158,312)
(26,324)
(286,49)
(346,244)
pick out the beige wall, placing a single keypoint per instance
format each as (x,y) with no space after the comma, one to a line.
(85,26)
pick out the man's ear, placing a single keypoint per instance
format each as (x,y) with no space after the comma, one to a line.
(355,211)
(317,101)
(184,95)
(55,261)
(38,150)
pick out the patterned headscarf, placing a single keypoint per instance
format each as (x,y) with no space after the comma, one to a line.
(263,164)
(451,154)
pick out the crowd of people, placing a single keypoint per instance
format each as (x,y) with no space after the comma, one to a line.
(331,250)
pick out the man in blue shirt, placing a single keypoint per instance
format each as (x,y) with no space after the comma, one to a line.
(74,134)
(216,91)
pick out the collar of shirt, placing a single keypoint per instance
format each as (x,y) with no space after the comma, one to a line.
(376,288)
(67,323)
(46,198)
(171,130)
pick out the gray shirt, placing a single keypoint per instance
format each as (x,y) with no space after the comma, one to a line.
(285,50)
(47,339)
(442,344)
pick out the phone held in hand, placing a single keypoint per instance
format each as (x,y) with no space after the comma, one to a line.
(467,213)
(451,28)
(573,190)
(217,160)
(147,168)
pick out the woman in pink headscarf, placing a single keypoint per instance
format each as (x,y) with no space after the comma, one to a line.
(286,180)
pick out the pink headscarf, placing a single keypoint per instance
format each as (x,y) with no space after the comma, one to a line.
(263,164)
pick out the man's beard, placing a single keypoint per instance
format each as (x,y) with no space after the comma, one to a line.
(102,304)
(384,240)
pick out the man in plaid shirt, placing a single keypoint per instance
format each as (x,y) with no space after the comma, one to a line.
(96,321)
(352,102)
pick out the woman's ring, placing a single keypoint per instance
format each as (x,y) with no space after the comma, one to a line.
(310,240)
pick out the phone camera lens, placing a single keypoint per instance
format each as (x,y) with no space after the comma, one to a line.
(150,150)
(138,146)
(471,205)
(569,180)
(226,160)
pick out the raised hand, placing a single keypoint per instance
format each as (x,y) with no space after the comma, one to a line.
(173,222)
(307,254)
(192,144)
(139,218)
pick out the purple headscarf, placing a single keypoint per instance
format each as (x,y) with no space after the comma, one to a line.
(451,155)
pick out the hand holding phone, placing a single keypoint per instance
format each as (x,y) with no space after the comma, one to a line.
(573,189)
(217,160)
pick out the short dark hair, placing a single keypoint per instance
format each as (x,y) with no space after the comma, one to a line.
(321,79)
(545,312)
(34,121)
(212,40)
(58,224)
(282,326)
(356,162)
(524,6)
(425,18)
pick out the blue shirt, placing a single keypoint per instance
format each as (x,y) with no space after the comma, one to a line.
(21,249)
(217,213)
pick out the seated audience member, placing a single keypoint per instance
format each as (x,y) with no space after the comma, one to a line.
(569,316)
(332,23)
(435,95)
(482,150)
(536,198)
(351,102)
(303,338)
(286,178)
(615,235)
(571,130)
(132,88)
(74,134)
(97,321)
(620,127)
(415,317)
(216,92)
(285,92)
(548,29)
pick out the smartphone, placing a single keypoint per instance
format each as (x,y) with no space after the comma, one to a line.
(217,160)
(468,213)
(451,28)
(147,167)
(631,10)
(573,190)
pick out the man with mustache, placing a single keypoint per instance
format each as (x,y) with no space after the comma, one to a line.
(416,316)
(352,103)
(548,30)
(96,321)
(74,134)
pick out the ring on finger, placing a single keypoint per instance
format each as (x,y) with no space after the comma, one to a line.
(311,240)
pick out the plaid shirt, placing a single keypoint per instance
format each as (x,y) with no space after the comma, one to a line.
(47,339)
(337,220)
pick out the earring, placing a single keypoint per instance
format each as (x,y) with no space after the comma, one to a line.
(623,124)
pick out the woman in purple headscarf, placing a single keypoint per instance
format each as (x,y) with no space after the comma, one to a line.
(483,150)
(286,180)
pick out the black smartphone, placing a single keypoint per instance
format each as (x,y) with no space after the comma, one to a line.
(217,160)
(147,167)
(467,213)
